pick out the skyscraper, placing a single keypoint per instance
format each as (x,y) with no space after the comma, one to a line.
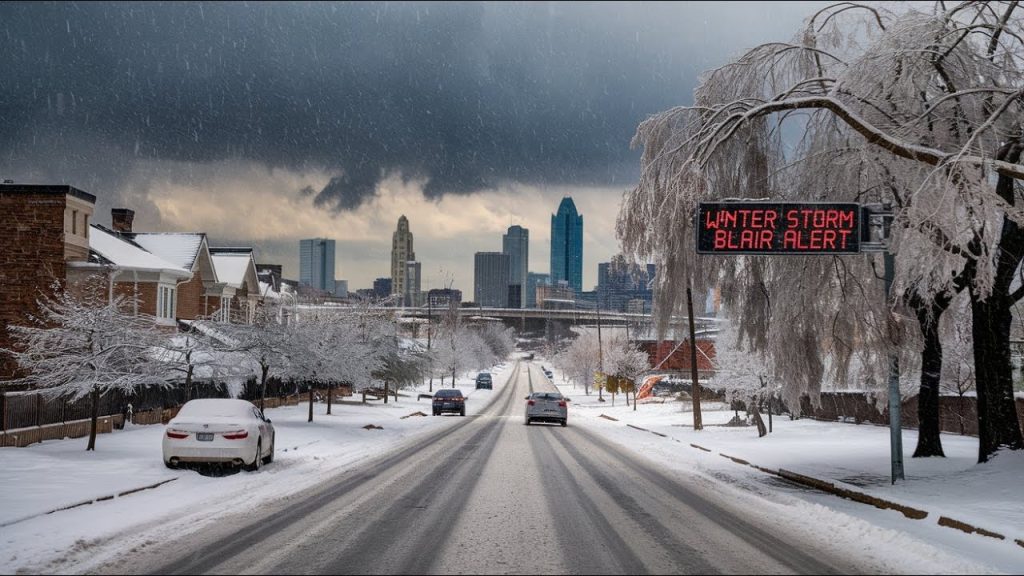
(413,294)
(316,263)
(490,275)
(401,252)
(516,243)
(567,245)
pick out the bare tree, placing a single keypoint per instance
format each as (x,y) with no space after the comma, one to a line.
(917,109)
(85,344)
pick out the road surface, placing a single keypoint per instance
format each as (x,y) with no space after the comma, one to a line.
(492,495)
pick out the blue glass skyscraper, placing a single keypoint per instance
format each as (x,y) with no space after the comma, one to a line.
(567,245)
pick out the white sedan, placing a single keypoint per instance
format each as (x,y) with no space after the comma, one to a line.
(219,430)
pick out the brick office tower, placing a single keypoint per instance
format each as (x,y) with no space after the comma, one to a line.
(44,227)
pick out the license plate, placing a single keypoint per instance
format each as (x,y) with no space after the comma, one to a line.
(205,436)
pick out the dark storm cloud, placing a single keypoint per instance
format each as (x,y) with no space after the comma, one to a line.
(462,96)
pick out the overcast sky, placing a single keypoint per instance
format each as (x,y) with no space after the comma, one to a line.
(265,123)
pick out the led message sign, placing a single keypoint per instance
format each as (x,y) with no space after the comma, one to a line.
(778,228)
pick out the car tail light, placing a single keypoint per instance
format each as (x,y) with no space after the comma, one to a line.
(459,398)
(236,435)
(561,404)
(177,434)
(530,402)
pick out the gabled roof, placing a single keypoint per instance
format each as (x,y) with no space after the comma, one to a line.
(180,248)
(235,266)
(109,248)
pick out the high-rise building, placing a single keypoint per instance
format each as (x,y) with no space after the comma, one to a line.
(401,252)
(316,264)
(341,288)
(413,295)
(382,287)
(533,280)
(490,274)
(567,245)
(619,283)
(516,243)
(444,299)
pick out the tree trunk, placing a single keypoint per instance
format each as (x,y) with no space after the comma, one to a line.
(188,384)
(998,426)
(431,385)
(453,378)
(330,395)
(929,441)
(263,385)
(385,391)
(94,419)
(311,390)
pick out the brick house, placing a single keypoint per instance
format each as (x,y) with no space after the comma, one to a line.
(45,227)
(48,241)
(236,268)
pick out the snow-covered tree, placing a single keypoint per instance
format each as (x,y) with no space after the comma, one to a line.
(194,356)
(919,109)
(742,373)
(580,360)
(85,343)
(267,345)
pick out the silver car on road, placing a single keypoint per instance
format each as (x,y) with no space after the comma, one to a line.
(547,407)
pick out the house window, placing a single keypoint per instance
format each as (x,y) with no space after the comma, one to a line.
(85,225)
(165,303)
(74,221)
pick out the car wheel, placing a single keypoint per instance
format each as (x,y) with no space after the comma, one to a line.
(436,413)
(527,421)
(270,457)
(169,465)
(257,459)
(462,412)
(565,423)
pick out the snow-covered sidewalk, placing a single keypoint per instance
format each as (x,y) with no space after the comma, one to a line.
(60,473)
(847,455)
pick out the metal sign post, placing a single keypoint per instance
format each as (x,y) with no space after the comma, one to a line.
(879,218)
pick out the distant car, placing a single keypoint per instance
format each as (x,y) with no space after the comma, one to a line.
(219,430)
(449,400)
(547,407)
(547,372)
(484,381)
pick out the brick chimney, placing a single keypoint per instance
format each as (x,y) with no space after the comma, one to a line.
(121,219)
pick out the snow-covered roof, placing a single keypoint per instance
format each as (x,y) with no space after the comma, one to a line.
(235,266)
(180,248)
(119,252)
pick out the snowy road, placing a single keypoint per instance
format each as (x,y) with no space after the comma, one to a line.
(495,496)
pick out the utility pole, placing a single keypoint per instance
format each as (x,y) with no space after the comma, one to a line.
(430,318)
(698,424)
(600,358)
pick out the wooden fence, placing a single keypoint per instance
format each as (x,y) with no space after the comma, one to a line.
(30,417)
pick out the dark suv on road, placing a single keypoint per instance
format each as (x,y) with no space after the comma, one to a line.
(484,381)
(449,400)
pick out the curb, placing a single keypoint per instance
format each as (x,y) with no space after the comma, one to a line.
(91,501)
(861,497)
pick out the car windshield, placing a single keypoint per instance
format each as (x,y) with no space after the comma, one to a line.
(445,393)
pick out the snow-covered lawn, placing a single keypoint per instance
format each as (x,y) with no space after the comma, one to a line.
(60,473)
(851,456)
